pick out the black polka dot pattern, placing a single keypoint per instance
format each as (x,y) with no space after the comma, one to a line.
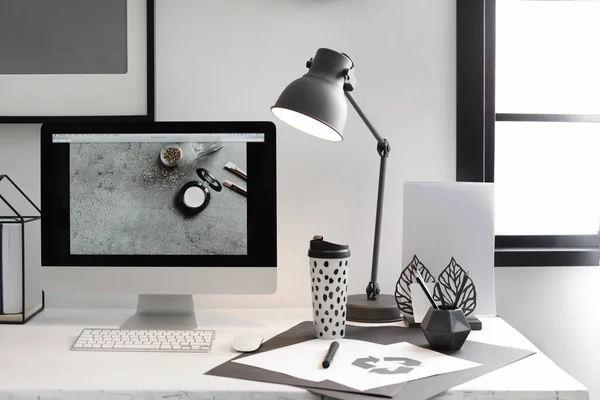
(329,296)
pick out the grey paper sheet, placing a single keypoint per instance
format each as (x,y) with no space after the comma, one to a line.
(63,36)
(491,357)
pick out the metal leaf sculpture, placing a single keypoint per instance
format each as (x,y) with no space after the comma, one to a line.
(402,293)
(451,280)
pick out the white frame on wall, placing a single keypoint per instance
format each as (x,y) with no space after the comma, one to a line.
(64,97)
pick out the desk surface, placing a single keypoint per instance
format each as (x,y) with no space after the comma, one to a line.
(36,361)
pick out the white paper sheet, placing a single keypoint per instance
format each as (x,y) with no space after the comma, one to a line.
(357,364)
(420,303)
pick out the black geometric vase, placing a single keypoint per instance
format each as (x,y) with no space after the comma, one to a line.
(445,329)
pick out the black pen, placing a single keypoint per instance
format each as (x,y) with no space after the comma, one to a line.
(421,282)
(330,353)
(437,285)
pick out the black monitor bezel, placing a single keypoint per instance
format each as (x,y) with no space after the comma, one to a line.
(262,210)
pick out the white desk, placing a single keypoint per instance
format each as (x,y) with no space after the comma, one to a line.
(36,363)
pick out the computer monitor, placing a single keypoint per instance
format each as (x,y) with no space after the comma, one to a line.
(164,208)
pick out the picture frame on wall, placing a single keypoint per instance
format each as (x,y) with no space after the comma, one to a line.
(76,60)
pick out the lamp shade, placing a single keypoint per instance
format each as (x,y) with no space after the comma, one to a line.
(315,103)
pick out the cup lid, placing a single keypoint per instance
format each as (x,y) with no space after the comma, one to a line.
(322,249)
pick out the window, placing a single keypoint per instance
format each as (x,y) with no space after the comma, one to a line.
(528,119)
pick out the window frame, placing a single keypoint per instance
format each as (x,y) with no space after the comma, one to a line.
(475,126)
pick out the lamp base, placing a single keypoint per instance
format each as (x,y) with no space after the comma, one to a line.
(384,309)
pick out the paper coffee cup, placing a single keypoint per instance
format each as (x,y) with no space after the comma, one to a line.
(329,264)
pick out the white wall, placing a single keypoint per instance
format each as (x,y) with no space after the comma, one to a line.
(229,59)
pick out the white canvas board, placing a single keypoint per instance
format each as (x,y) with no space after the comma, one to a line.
(357,364)
(442,220)
(11,268)
(85,94)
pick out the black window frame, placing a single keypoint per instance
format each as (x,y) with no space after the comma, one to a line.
(475,123)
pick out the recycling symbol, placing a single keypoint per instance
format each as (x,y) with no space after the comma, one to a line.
(405,365)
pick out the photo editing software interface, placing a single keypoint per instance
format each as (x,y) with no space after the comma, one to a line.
(176,194)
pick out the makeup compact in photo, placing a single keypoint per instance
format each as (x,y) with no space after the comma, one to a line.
(194,196)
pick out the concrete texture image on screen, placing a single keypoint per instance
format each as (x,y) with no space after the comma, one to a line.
(123,201)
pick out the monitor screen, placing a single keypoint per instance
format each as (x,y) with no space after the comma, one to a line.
(162,194)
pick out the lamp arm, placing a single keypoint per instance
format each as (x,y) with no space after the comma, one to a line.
(383,148)
(362,115)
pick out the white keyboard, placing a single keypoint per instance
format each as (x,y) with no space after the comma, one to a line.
(180,341)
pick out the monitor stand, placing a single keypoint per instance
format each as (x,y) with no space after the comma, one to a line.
(163,311)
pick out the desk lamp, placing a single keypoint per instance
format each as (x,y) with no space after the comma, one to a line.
(315,104)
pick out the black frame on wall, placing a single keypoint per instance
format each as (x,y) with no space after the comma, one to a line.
(476,118)
(150,92)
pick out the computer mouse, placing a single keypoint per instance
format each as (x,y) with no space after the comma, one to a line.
(246,343)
